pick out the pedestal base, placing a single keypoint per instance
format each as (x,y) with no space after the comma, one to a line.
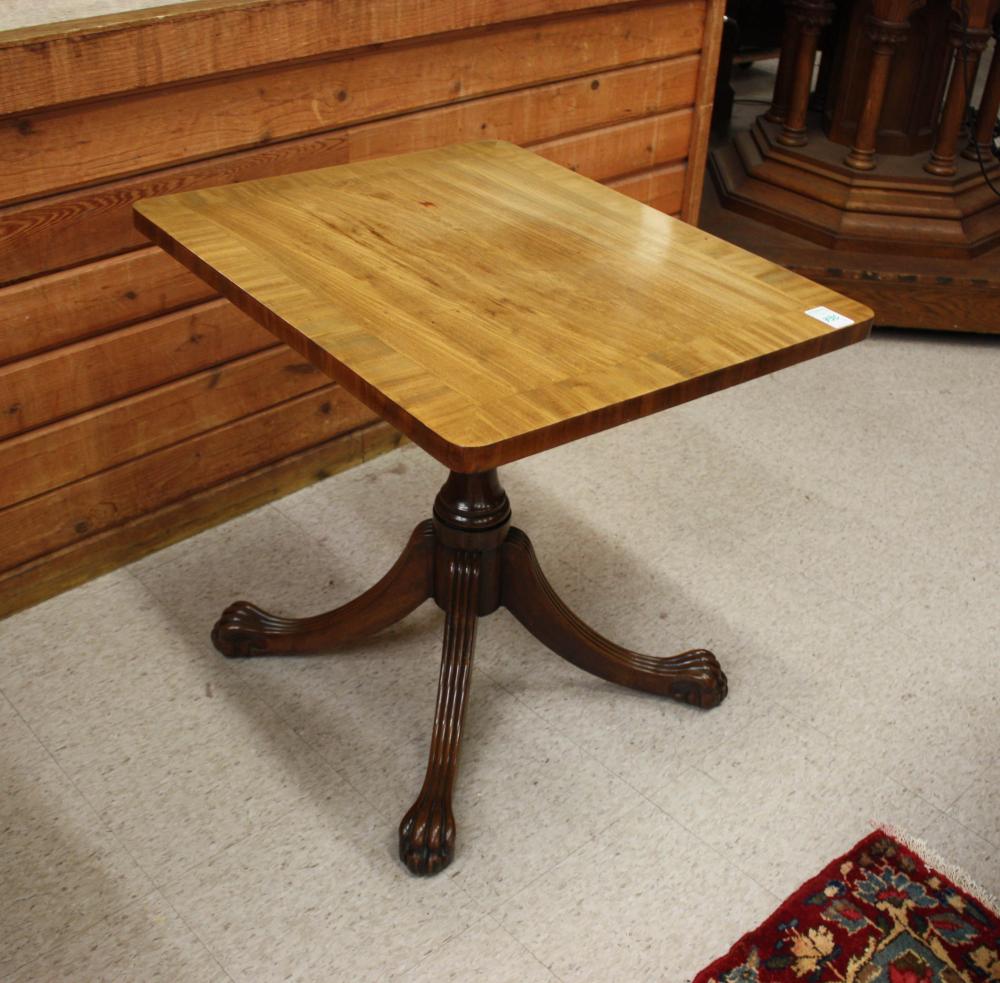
(471,561)
(896,207)
(904,291)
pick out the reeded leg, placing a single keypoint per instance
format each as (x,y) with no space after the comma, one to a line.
(427,831)
(245,630)
(693,677)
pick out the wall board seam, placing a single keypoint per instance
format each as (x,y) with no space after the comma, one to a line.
(54,572)
(229,156)
(88,30)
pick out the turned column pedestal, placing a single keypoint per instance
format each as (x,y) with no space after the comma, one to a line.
(885,36)
(470,560)
(807,19)
(967,47)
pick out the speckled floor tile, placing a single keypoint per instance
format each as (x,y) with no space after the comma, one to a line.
(108,640)
(960,613)
(484,951)
(848,780)
(909,700)
(884,573)
(829,532)
(956,844)
(527,798)
(523,788)
(771,642)
(190,776)
(263,557)
(773,830)
(178,759)
(95,657)
(647,900)
(978,808)
(61,870)
(319,895)
(146,941)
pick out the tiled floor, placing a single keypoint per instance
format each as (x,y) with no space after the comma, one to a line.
(831,531)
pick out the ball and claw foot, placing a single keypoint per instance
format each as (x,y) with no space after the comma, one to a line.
(427,836)
(242,630)
(703,684)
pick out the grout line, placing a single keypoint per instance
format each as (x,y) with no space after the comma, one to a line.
(718,851)
(195,933)
(530,952)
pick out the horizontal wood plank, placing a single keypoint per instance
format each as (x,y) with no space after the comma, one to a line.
(662,187)
(75,378)
(74,227)
(211,37)
(92,556)
(48,311)
(66,147)
(128,417)
(49,457)
(73,512)
(615,151)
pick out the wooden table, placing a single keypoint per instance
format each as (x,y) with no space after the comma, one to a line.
(491,305)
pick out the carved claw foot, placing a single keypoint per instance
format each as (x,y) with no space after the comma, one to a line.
(700,681)
(243,630)
(427,836)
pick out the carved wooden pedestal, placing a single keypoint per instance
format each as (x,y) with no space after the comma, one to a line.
(869,179)
(471,561)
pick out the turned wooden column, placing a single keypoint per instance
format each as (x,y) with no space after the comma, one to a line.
(885,35)
(967,46)
(981,145)
(778,112)
(812,16)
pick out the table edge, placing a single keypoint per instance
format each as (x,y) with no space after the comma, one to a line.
(474,458)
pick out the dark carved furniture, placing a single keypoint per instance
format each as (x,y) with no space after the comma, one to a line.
(490,304)
(470,560)
(869,178)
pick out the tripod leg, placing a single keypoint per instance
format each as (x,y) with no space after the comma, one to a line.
(245,630)
(427,831)
(691,677)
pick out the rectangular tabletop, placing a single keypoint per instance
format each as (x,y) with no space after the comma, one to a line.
(491,304)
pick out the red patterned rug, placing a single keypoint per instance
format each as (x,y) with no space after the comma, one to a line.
(878,914)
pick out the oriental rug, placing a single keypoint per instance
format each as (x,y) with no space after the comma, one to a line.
(878,914)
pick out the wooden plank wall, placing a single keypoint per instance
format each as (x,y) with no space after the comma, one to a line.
(135,406)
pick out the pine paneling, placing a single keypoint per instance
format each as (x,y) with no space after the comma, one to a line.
(135,406)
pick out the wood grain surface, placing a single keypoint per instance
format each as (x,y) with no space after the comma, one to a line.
(86,557)
(48,522)
(78,377)
(89,442)
(60,230)
(489,303)
(70,61)
(46,151)
(115,359)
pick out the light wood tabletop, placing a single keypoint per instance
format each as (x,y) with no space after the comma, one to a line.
(491,304)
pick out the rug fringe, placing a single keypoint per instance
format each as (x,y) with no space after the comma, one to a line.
(952,871)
